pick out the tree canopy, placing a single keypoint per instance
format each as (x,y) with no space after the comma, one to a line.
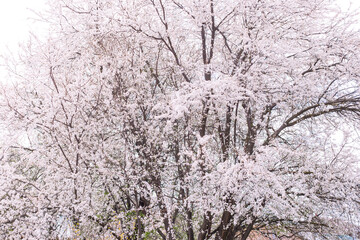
(179,119)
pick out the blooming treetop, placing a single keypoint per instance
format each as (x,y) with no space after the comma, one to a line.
(179,119)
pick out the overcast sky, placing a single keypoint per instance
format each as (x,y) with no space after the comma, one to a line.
(16,20)
(16,23)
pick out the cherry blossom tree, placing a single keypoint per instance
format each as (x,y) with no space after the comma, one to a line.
(178,119)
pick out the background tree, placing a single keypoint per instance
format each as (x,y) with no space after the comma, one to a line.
(165,119)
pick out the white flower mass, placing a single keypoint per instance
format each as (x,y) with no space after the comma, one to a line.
(180,119)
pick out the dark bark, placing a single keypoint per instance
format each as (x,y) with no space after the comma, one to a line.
(205,228)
